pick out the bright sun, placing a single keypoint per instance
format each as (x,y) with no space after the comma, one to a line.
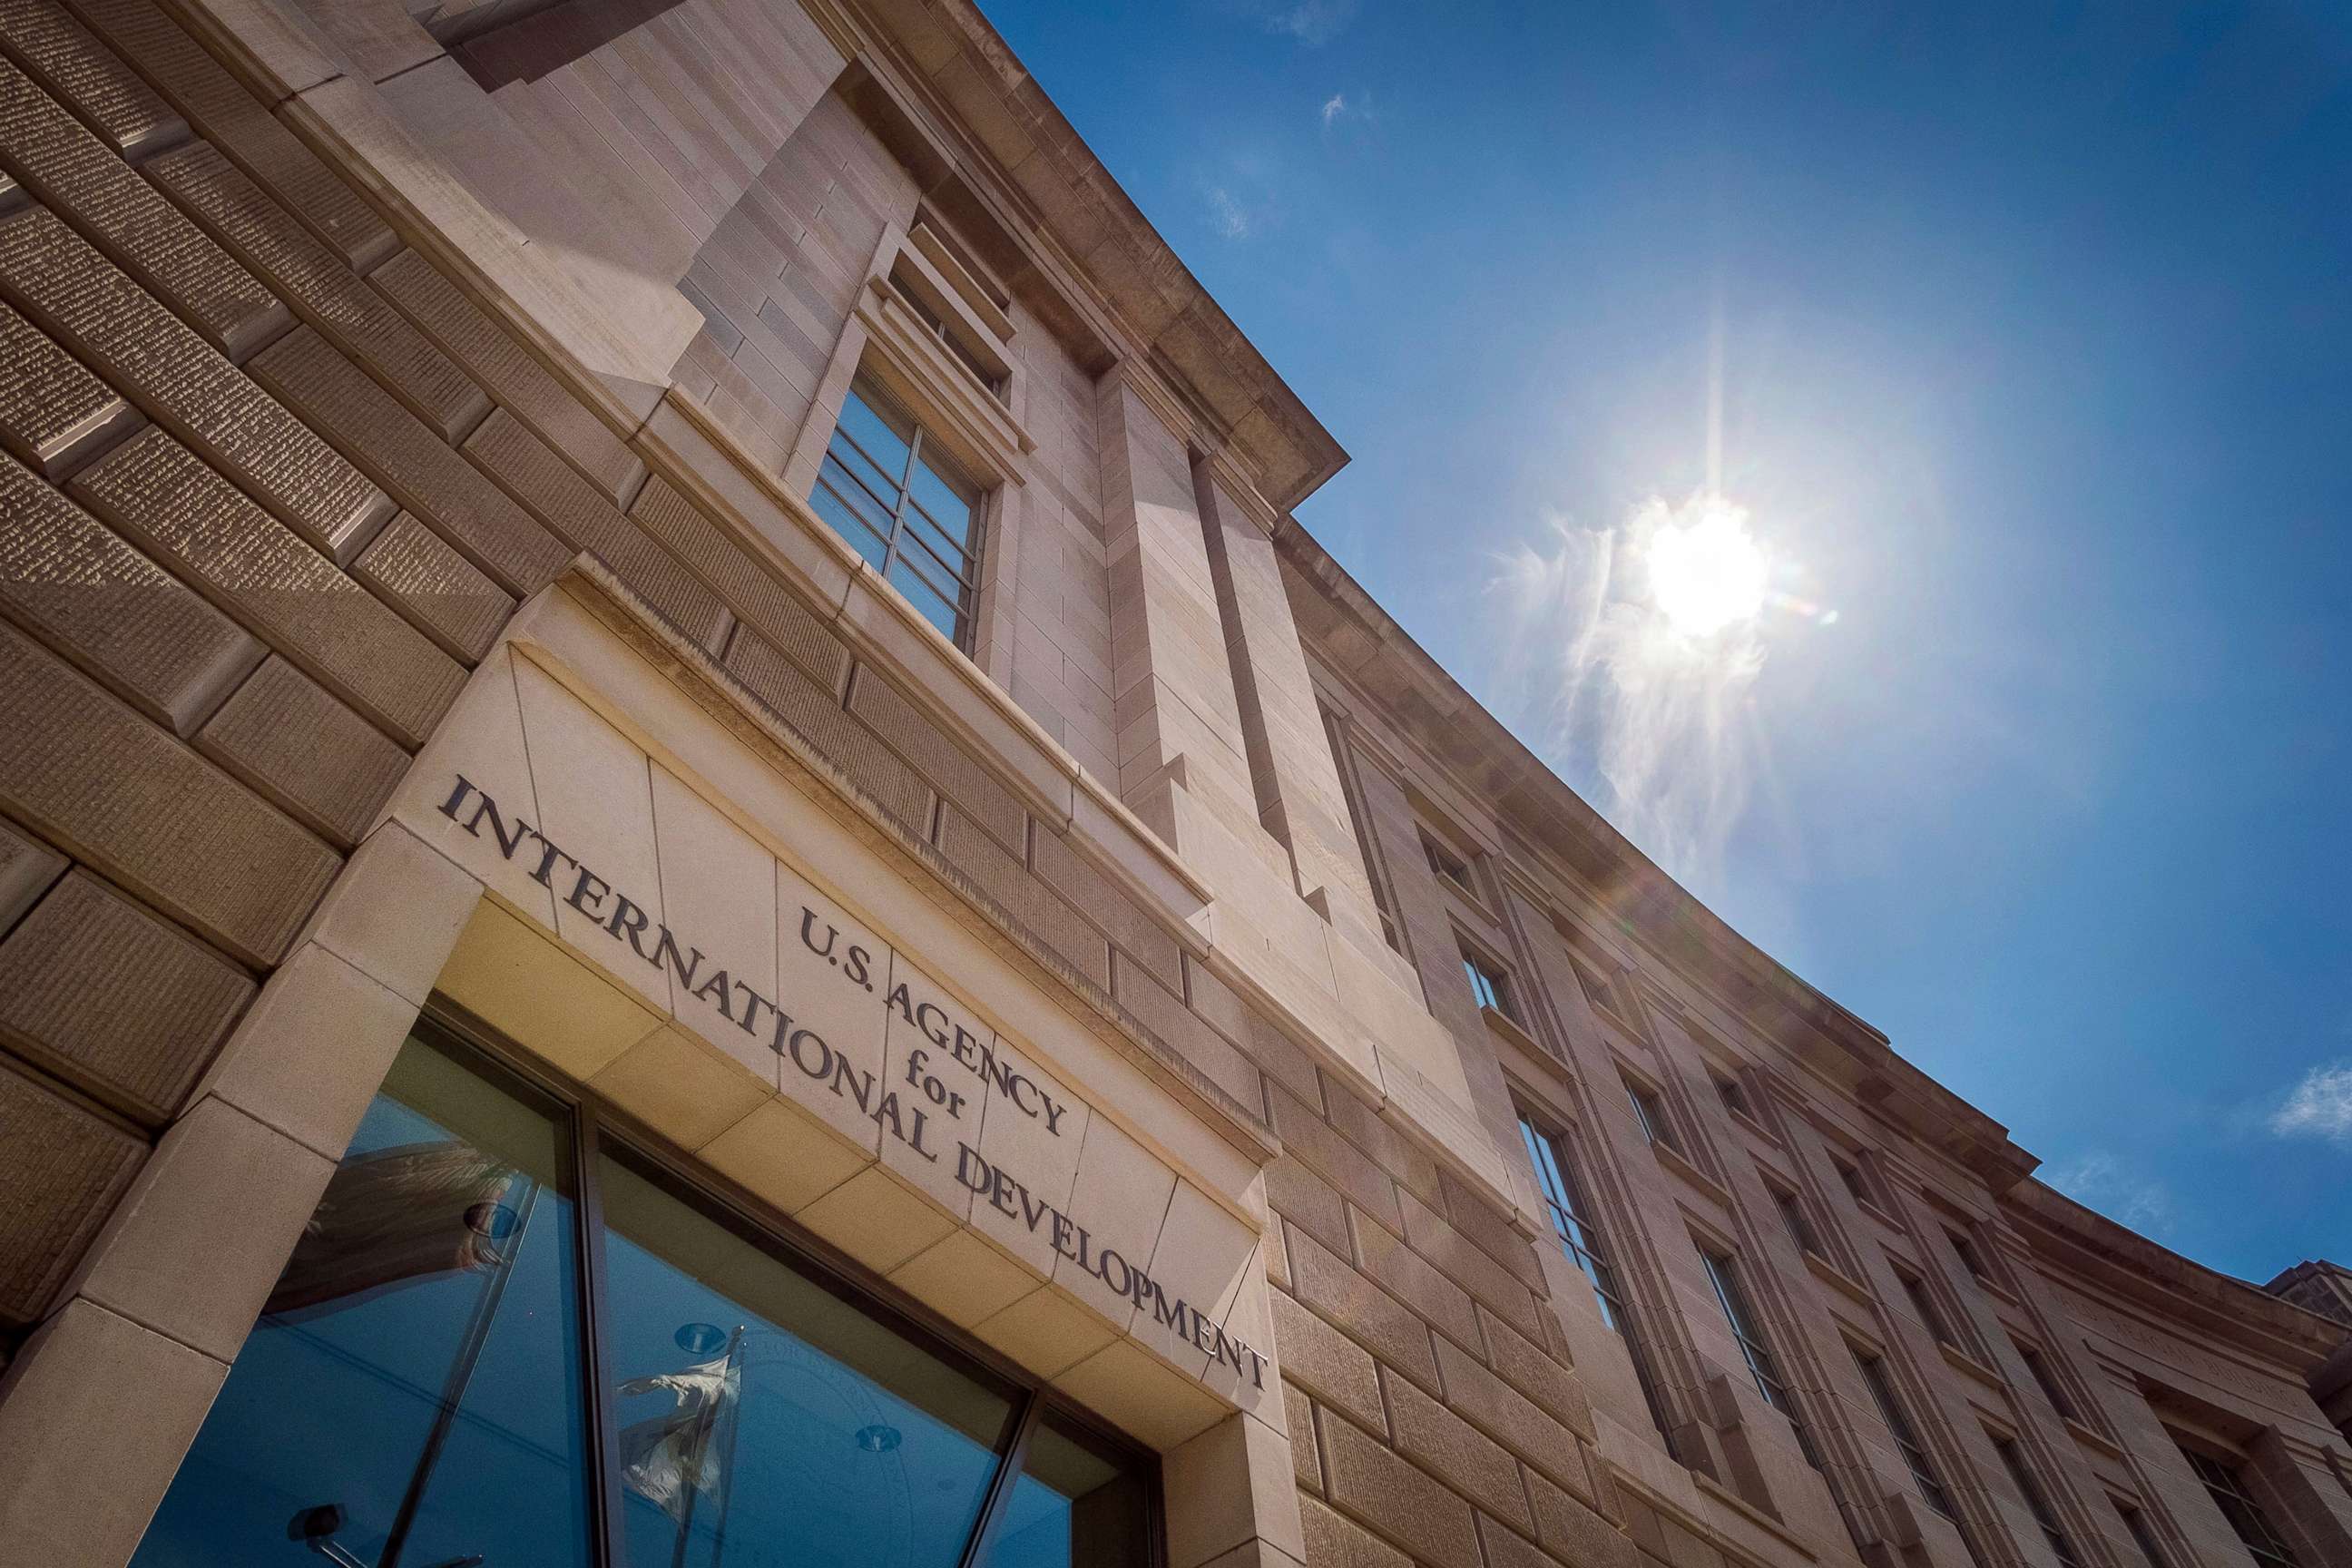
(1707,572)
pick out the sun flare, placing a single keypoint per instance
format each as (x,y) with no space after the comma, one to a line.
(1707,572)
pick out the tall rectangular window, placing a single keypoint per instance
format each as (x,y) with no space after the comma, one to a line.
(1734,1098)
(1850,1175)
(1965,1249)
(1579,1237)
(1907,1440)
(1792,1215)
(2226,1485)
(1651,1114)
(2039,1367)
(2143,1534)
(1724,1275)
(905,505)
(1489,987)
(1924,1306)
(2036,1501)
(1446,863)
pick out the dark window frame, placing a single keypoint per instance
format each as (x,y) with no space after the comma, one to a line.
(1491,984)
(836,478)
(2224,1482)
(2037,1500)
(1747,1331)
(1881,1384)
(1649,1113)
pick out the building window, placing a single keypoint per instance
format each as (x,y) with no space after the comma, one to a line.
(2036,1501)
(1855,1182)
(1898,1425)
(2226,1485)
(1650,1112)
(1734,1098)
(2039,1366)
(1724,1275)
(1452,867)
(1489,987)
(1580,1239)
(491,1295)
(2143,1534)
(1970,1258)
(1923,1306)
(905,281)
(1792,1215)
(1351,791)
(902,503)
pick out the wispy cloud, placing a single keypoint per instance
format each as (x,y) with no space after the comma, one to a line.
(1649,720)
(1355,107)
(2100,1181)
(1228,216)
(1311,22)
(1333,107)
(2320,1106)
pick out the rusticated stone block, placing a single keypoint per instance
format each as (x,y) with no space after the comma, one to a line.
(1400,1501)
(1413,1279)
(1468,1265)
(1531,1369)
(127,1006)
(1140,936)
(157,493)
(221,111)
(1032,905)
(1505,1414)
(1333,1542)
(109,609)
(62,1170)
(1574,1533)
(438,589)
(1457,1454)
(1308,1202)
(317,760)
(28,867)
(753,591)
(322,290)
(61,164)
(818,716)
(1359,1308)
(78,70)
(1479,1219)
(102,784)
(87,303)
(53,412)
(527,468)
(952,773)
(421,471)
(517,380)
(1328,1364)
(1165,1014)
(1308,1136)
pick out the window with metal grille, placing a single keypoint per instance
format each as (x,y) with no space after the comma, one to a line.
(1580,1239)
(1724,1275)
(1907,1440)
(2226,1485)
(1651,1112)
(2142,1534)
(1489,987)
(902,502)
(2036,1501)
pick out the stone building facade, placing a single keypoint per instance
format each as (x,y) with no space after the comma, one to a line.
(653,660)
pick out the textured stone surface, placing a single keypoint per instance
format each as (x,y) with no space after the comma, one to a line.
(886,711)
(420,470)
(104,784)
(1394,1498)
(1333,1289)
(126,1006)
(1573,1533)
(62,1169)
(438,589)
(1137,934)
(53,412)
(221,111)
(1164,1012)
(1328,1364)
(1311,1140)
(1333,1542)
(112,610)
(178,381)
(1034,906)
(78,70)
(322,290)
(28,867)
(816,715)
(1448,1447)
(527,468)
(755,593)
(316,758)
(521,384)
(157,493)
(62,164)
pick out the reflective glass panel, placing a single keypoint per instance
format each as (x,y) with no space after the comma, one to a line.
(1077,1505)
(412,1393)
(764,1419)
(889,489)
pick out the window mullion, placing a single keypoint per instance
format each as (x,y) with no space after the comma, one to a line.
(604,1430)
(1000,1489)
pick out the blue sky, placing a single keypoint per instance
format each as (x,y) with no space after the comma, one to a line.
(2031,342)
